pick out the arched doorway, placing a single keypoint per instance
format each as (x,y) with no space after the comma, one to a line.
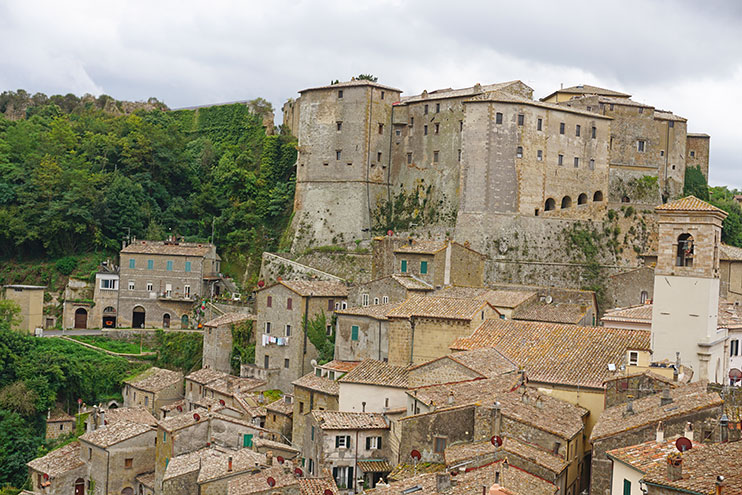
(582,199)
(137,317)
(166,320)
(184,321)
(566,202)
(685,250)
(79,486)
(598,196)
(625,199)
(81,318)
(550,204)
(127,491)
(109,317)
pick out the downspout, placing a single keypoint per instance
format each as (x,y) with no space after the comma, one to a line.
(108,462)
(368,155)
(355,467)
(379,342)
(412,337)
(389,168)
(306,325)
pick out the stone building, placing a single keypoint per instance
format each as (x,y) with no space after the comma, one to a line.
(636,422)
(162,281)
(286,479)
(349,444)
(633,386)
(730,273)
(283,351)
(59,424)
(374,386)
(390,289)
(153,388)
(104,313)
(362,332)
(279,416)
(217,346)
(30,298)
(631,287)
(60,472)
(441,263)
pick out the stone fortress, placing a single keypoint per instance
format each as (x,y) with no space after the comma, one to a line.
(479,163)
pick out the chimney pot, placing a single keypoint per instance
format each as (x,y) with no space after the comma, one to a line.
(229,464)
(688,431)
(665,399)
(269,458)
(675,466)
(660,433)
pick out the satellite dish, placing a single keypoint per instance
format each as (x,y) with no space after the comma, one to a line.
(549,299)
(735,374)
(683,444)
(221,402)
(180,408)
(271,482)
(328,492)
(313,362)
(280,459)
(298,472)
(196,416)
(415,454)
(496,441)
(454,473)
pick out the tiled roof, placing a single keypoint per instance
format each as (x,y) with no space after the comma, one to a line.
(558,353)
(215,464)
(457,93)
(645,455)
(583,89)
(342,366)
(487,361)
(183,420)
(375,466)
(479,390)
(519,100)
(59,461)
(112,434)
(231,385)
(338,420)
(405,471)
(155,379)
(229,319)
(553,313)
(147,479)
(258,482)
(648,410)
(666,115)
(641,313)
(174,406)
(648,373)
(438,307)
(730,315)
(316,288)
(700,469)
(318,383)
(689,203)
(281,406)
(159,247)
(411,282)
(184,463)
(205,375)
(372,372)
(375,311)
(554,463)
(496,297)
(318,486)
(622,101)
(59,416)
(731,253)
(460,452)
(350,84)
(271,444)
(131,414)
(422,247)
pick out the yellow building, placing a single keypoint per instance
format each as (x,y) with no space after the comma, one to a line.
(31,300)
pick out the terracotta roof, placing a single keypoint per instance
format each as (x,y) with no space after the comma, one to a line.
(554,312)
(422,247)
(159,247)
(438,307)
(131,414)
(183,420)
(337,420)
(457,93)
(583,89)
(351,84)
(372,372)
(554,463)
(184,463)
(316,288)
(649,373)
(59,461)
(641,313)
(321,384)
(229,319)
(59,416)
(281,406)
(666,115)
(375,311)
(318,486)
(700,469)
(205,375)
(342,366)
(460,452)
(411,282)
(496,297)
(258,482)
(648,410)
(112,434)
(271,444)
(215,463)
(404,471)
(519,100)
(155,379)
(466,392)
(730,315)
(174,406)
(731,253)
(645,455)
(375,466)
(147,479)
(558,353)
(689,203)
(486,361)
(232,385)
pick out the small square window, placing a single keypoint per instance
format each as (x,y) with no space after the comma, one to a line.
(539,155)
(398,132)
(128,463)
(561,128)
(577,130)
(350,164)
(692,154)
(339,125)
(662,152)
(592,164)
(577,162)
(519,152)
(382,95)
(338,154)
(521,119)
(412,121)
(423,267)
(340,93)
(131,285)
(498,118)
(539,124)
(560,160)
(594,132)
(435,156)
(633,358)
(403,266)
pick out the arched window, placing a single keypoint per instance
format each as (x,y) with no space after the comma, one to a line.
(550,204)
(166,320)
(566,202)
(109,309)
(685,250)
(625,199)
(582,199)
(643,297)
(184,321)
(598,196)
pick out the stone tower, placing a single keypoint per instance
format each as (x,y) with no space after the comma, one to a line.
(686,289)
(342,166)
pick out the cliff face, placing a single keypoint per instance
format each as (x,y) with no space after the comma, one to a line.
(16,105)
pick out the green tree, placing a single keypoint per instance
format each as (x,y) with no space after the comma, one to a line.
(367,77)
(18,445)
(317,335)
(695,184)
(10,314)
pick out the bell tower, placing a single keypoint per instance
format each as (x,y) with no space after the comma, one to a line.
(686,289)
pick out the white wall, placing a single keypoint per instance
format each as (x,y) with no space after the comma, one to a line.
(352,395)
(623,472)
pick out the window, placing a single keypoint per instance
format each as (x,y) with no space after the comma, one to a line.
(539,124)
(626,487)
(338,154)
(339,125)
(435,156)
(168,290)
(187,290)
(589,108)
(662,152)
(149,287)
(685,250)
(301,407)
(734,347)
(150,264)
(312,433)
(267,327)
(90,453)
(269,302)
(412,121)
(381,128)
(437,127)
(519,152)
(671,124)
(289,303)
(364,299)
(423,267)
(577,162)
(132,263)
(461,125)
(426,110)
(641,145)
(131,285)
(611,107)
(594,132)
(343,476)
(326,164)
(108,284)
(286,363)
(643,297)
(266,361)
(340,93)
(187,266)
(288,330)
(398,132)
(592,164)
(373,443)
(169,266)
(385,299)
(633,358)
(440,445)
(376,301)
(560,160)
(692,154)
(354,332)
(521,119)
(330,304)
(459,156)
(403,268)
(342,441)
(328,330)
(561,128)
(409,158)
(539,155)
(146,400)
(577,130)
(437,108)
(498,118)
(425,130)
(641,110)
(378,156)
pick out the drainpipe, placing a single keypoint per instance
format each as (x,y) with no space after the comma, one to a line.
(368,155)
(389,166)
(108,462)
(355,467)
(412,337)
(306,325)
(379,342)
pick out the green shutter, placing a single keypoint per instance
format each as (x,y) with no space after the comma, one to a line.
(626,487)
(423,267)
(247,440)
(132,263)
(404,266)
(170,266)
(188,266)
(150,264)
(354,332)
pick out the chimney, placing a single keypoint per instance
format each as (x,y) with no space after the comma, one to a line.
(675,466)
(660,433)
(450,398)
(229,464)
(719,485)
(629,407)
(498,418)
(363,406)
(665,398)
(676,371)
(442,482)
(688,431)
(269,458)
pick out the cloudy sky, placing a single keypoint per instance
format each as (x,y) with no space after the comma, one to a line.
(684,56)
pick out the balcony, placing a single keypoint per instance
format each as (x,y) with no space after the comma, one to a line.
(176,296)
